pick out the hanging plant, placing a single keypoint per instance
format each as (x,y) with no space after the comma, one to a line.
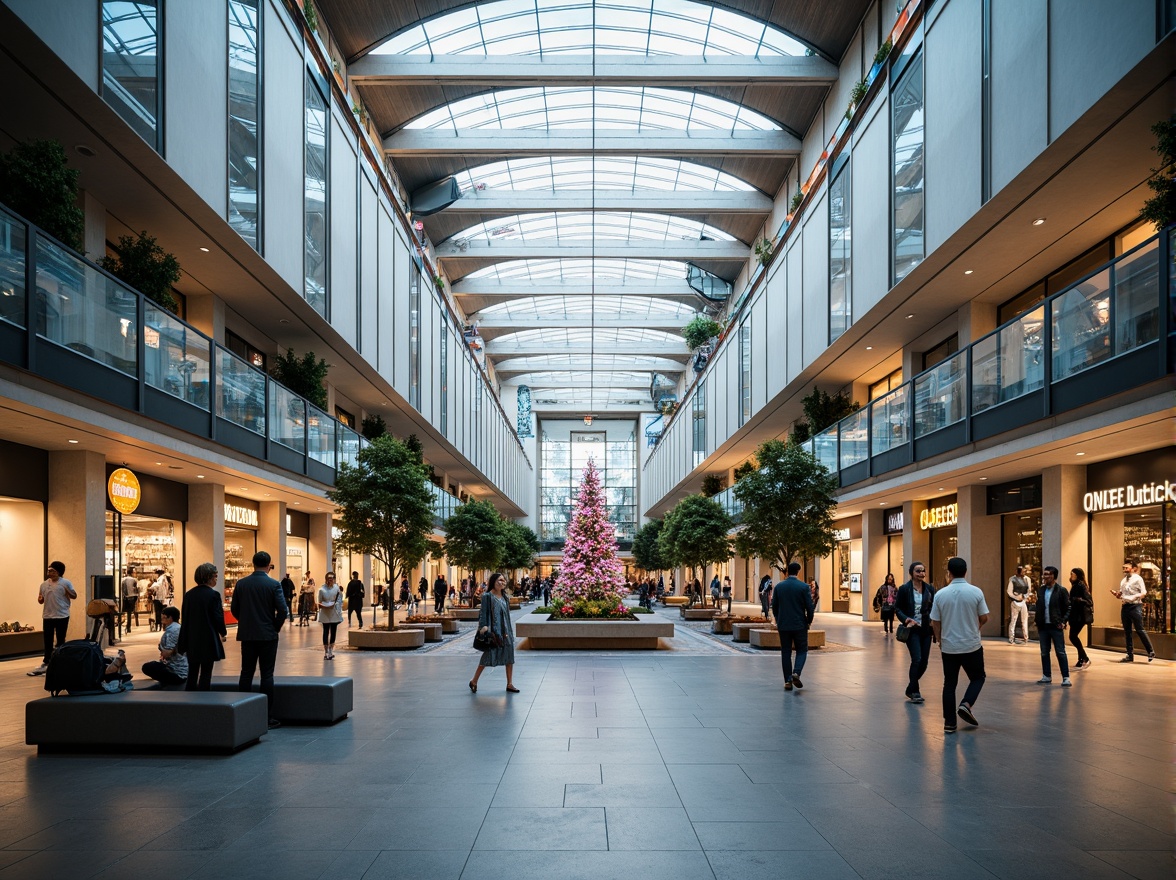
(700,331)
(142,264)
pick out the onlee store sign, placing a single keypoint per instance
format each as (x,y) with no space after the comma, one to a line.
(939,517)
(1119,497)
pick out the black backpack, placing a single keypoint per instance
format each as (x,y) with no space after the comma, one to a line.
(76,667)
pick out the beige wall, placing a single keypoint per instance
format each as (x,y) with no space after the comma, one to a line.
(22,546)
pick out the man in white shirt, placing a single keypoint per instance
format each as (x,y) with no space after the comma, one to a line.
(1018,588)
(1131,592)
(54,596)
(956,617)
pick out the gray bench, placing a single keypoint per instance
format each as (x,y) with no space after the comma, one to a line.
(305,699)
(146,721)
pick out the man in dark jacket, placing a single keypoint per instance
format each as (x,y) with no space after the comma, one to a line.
(440,589)
(260,610)
(1051,614)
(202,628)
(288,594)
(792,606)
(912,606)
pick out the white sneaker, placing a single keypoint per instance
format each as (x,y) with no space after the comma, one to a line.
(40,670)
(1045,679)
(1011,641)
(1066,683)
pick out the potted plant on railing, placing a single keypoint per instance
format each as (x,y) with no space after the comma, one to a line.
(36,182)
(764,248)
(302,375)
(700,331)
(142,264)
(856,95)
(797,198)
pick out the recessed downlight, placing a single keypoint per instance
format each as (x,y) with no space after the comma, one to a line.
(204,250)
(85,150)
(909,317)
(969,271)
(200,476)
(983,479)
(75,441)
(1080,453)
(1038,221)
(869,348)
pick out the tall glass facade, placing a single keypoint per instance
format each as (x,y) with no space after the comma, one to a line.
(315,198)
(244,115)
(415,282)
(132,64)
(563,463)
(744,372)
(698,420)
(443,363)
(908,134)
(840,255)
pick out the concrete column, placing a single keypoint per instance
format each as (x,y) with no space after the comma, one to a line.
(916,543)
(271,534)
(206,313)
(875,565)
(1063,521)
(319,545)
(979,545)
(205,534)
(975,319)
(94,234)
(75,523)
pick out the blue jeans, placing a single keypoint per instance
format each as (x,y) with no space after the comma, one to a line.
(788,639)
(919,647)
(1054,636)
(973,666)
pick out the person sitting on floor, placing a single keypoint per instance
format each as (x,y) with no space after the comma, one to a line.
(172,667)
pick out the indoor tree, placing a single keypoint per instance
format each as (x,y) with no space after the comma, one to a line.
(695,533)
(475,537)
(142,264)
(820,411)
(385,507)
(304,376)
(647,552)
(788,505)
(37,183)
(521,546)
(590,572)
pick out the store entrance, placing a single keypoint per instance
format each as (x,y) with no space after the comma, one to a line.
(145,546)
(944,544)
(1021,545)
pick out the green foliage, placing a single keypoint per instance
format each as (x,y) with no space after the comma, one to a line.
(797,198)
(145,266)
(36,182)
(641,610)
(883,51)
(748,467)
(413,442)
(788,506)
(647,552)
(302,375)
(712,484)
(591,609)
(311,16)
(857,93)
(373,426)
(695,533)
(385,507)
(1160,209)
(439,283)
(699,331)
(764,250)
(522,546)
(474,536)
(820,411)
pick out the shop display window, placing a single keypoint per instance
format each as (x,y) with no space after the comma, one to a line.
(944,544)
(1021,543)
(1143,534)
(146,544)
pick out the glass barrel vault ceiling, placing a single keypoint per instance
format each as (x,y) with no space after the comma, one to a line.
(603,27)
(636,338)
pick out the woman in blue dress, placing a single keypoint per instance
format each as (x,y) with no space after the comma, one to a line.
(495,618)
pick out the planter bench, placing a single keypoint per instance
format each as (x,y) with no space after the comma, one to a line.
(697,613)
(721,626)
(739,630)
(466,613)
(770,638)
(675,600)
(432,631)
(448,625)
(383,640)
(21,643)
(174,721)
(594,635)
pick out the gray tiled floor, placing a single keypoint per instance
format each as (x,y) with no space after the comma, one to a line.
(680,764)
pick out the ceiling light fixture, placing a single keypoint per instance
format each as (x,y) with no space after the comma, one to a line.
(1038,221)
(85,150)
(869,348)
(1080,453)
(968,271)
(983,479)
(909,317)
(75,441)
(588,421)
(200,476)
(204,250)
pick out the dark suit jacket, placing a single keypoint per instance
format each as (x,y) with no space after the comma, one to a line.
(1059,607)
(904,604)
(202,623)
(792,604)
(260,608)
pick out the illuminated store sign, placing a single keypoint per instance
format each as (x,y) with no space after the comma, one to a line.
(894,521)
(122,488)
(841,534)
(237,515)
(938,517)
(1129,496)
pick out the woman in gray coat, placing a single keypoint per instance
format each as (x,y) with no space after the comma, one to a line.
(495,618)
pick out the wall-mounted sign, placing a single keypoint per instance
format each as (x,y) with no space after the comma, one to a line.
(841,534)
(939,517)
(855,582)
(1129,496)
(239,515)
(123,490)
(892,522)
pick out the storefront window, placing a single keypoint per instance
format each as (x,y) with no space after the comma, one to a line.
(1021,541)
(240,545)
(144,544)
(22,546)
(1141,534)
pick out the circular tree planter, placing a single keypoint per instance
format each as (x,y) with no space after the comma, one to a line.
(383,640)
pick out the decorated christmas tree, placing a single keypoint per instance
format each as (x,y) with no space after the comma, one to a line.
(590,570)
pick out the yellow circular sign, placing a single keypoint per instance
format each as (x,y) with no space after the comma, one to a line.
(122,488)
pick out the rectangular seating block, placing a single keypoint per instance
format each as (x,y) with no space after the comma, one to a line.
(304,699)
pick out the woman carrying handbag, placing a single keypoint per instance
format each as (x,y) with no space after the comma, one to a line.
(494,636)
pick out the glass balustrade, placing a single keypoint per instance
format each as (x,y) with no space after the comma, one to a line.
(1137,297)
(240,392)
(825,448)
(349,446)
(176,357)
(730,503)
(81,308)
(1081,323)
(1009,362)
(287,417)
(320,436)
(940,398)
(855,438)
(13,260)
(888,416)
